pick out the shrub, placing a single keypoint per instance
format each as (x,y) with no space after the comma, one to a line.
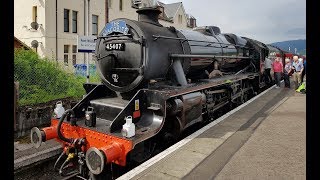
(42,80)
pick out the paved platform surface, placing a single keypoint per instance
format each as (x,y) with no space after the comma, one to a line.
(277,149)
(264,140)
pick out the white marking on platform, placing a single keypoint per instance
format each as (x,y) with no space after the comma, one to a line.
(184,141)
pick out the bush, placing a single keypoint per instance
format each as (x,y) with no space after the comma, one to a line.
(42,80)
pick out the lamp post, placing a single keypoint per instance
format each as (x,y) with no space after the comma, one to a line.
(86,24)
(88,29)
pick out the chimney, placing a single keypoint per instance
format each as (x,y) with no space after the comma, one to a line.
(149,15)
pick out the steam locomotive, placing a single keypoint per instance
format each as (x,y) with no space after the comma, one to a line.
(157,82)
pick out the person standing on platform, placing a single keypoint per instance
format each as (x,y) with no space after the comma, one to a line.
(287,72)
(278,70)
(267,69)
(298,67)
(304,69)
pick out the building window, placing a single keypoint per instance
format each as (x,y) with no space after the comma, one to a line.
(120,5)
(74,49)
(66,54)
(66,20)
(65,57)
(66,49)
(74,21)
(74,59)
(74,55)
(180,18)
(34,14)
(109,3)
(94,25)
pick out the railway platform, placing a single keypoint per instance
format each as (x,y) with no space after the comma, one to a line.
(25,155)
(265,138)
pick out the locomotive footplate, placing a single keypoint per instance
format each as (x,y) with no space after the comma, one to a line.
(203,84)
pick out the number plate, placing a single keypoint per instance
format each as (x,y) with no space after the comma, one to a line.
(115,46)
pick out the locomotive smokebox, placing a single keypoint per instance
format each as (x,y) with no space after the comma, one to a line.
(128,56)
(149,15)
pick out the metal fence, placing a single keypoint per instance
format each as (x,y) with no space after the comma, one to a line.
(15,104)
(41,82)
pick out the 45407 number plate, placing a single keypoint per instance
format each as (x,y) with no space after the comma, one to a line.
(115,46)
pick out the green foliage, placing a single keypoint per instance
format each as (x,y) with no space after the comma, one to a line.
(94,78)
(42,80)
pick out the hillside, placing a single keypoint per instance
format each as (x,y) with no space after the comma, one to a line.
(299,44)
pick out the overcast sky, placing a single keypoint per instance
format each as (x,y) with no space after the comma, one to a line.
(265,20)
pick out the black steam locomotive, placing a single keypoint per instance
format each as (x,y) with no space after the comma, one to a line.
(156,83)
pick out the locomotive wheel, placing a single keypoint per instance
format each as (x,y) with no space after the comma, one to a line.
(99,177)
(244,97)
(105,175)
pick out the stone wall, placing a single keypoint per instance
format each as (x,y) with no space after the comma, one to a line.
(38,115)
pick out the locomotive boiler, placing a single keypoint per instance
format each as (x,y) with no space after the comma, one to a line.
(131,53)
(156,82)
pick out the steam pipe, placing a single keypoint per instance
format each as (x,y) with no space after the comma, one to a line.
(60,135)
(180,76)
(55,164)
(63,166)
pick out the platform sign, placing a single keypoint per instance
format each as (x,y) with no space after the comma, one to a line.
(87,44)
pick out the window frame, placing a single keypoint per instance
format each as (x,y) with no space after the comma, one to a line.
(74,49)
(75,21)
(180,18)
(74,59)
(66,59)
(74,54)
(120,5)
(95,24)
(110,4)
(34,14)
(66,20)
(66,50)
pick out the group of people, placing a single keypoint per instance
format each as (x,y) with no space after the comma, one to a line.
(295,68)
